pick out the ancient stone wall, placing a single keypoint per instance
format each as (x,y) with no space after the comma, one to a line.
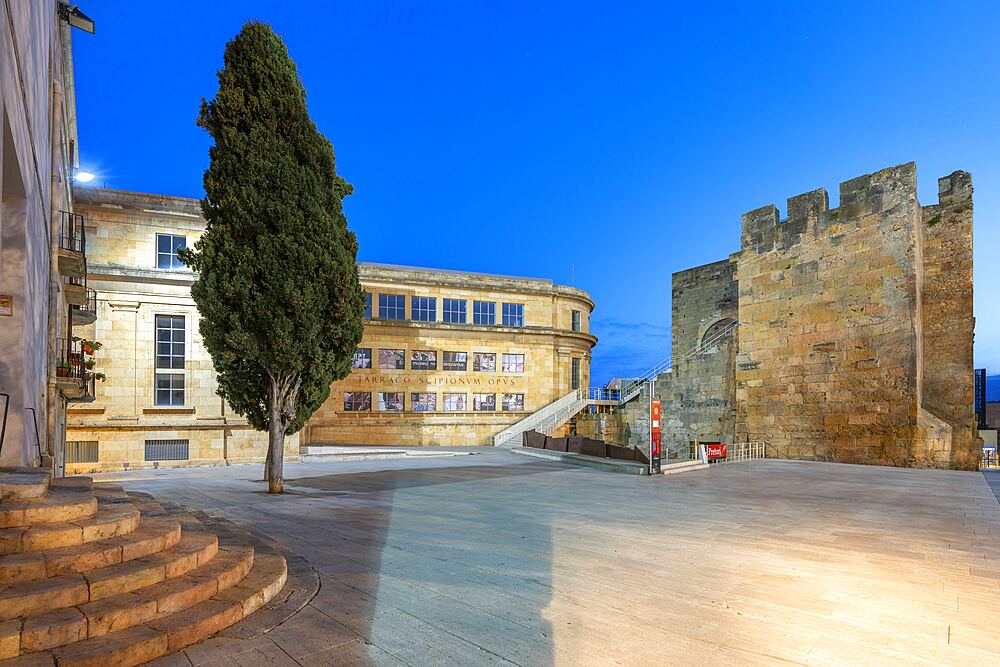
(828,366)
(947,314)
(698,395)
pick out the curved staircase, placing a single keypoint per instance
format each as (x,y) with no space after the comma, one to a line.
(93,576)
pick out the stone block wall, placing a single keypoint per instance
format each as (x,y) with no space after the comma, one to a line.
(948,321)
(855,331)
(698,395)
(829,360)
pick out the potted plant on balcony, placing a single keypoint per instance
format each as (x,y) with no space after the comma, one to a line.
(100,376)
(90,363)
(90,346)
(62,369)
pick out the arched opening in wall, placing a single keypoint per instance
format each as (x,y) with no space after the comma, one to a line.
(716,333)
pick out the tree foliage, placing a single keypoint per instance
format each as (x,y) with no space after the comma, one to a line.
(277,289)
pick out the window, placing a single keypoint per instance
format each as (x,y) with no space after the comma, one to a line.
(455,361)
(391,360)
(362,358)
(512,363)
(454,311)
(454,402)
(170,342)
(368,305)
(423,360)
(484,312)
(169,375)
(166,450)
(484,402)
(390,401)
(167,246)
(391,307)
(513,314)
(513,403)
(357,401)
(169,389)
(484,362)
(575,374)
(423,402)
(423,308)
(576,320)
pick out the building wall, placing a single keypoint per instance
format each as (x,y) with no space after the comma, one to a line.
(829,363)
(697,396)
(36,153)
(948,322)
(855,331)
(545,340)
(122,229)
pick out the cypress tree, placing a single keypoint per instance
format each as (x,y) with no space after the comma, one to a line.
(277,289)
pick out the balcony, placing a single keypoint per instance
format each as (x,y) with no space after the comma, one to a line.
(75,289)
(86,312)
(72,245)
(73,379)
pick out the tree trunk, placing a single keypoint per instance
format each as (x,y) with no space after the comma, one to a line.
(273,467)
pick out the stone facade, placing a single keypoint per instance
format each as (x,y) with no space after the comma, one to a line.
(546,342)
(855,330)
(132,293)
(37,154)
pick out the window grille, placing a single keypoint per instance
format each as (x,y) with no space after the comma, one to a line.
(82,451)
(166,450)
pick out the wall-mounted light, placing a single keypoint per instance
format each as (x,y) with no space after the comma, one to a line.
(72,15)
(84,176)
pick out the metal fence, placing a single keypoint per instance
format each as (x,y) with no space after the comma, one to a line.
(735,453)
(166,450)
(83,451)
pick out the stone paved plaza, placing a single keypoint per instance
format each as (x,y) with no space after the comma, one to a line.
(500,559)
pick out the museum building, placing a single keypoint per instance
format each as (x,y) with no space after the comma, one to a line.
(447,357)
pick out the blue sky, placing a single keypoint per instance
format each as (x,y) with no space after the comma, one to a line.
(607,145)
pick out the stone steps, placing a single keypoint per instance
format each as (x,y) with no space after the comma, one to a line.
(58,505)
(155,634)
(51,593)
(155,535)
(19,484)
(683,466)
(111,520)
(127,583)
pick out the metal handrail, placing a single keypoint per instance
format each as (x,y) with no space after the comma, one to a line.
(633,387)
(90,305)
(70,353)
(72,232)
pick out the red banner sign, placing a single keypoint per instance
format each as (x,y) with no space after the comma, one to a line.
(654,416)
(716,451)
